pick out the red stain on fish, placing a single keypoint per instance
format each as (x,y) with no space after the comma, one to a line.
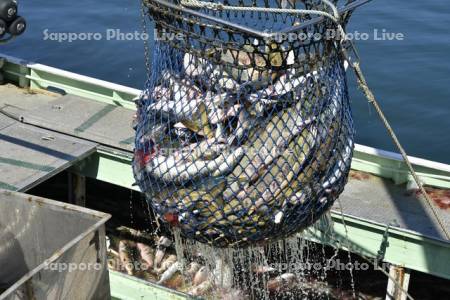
(144,156)
(171,218)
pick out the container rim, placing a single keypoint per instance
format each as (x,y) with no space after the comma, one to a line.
(348,8)
(102,218)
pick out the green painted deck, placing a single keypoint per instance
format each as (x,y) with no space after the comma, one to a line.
(381,217)
(126,287)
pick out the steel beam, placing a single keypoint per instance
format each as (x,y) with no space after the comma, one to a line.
(112,166)
(381,244)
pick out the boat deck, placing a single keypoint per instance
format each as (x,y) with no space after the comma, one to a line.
(102,123)
(28,154)
(79,124)
(87,115)
(379,200)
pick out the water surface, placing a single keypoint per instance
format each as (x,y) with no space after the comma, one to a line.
(410,77)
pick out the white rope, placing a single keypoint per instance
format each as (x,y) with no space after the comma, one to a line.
(333,8)
(220,7)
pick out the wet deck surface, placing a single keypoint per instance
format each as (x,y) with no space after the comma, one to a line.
(365,196)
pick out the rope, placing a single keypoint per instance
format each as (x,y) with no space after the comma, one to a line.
(371,98)
(220,6)
(335,17)
(356,68)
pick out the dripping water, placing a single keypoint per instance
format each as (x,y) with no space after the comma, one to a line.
(131,208)
(232,271)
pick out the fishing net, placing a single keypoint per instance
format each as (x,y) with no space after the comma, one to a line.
(242,137)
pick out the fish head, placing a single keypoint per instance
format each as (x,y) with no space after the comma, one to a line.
(164,241)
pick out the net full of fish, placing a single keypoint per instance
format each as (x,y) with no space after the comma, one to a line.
(242,139)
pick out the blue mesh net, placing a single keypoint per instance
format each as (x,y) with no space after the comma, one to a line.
(241,139)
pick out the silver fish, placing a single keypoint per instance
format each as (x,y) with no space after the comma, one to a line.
(180,91)
(179,99)
(162,243)
(196,66)
(275,93)
(223,81)
(155,133)
(173,169)
(287,82)
(182,106)
(279,147)
(339,166)
(188,108)
(159,256)
(207,149)
(244,123)
(220,133)
(169,272)
(160,93)
(220,115)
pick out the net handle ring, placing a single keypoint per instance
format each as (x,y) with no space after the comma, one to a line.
(321,15)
